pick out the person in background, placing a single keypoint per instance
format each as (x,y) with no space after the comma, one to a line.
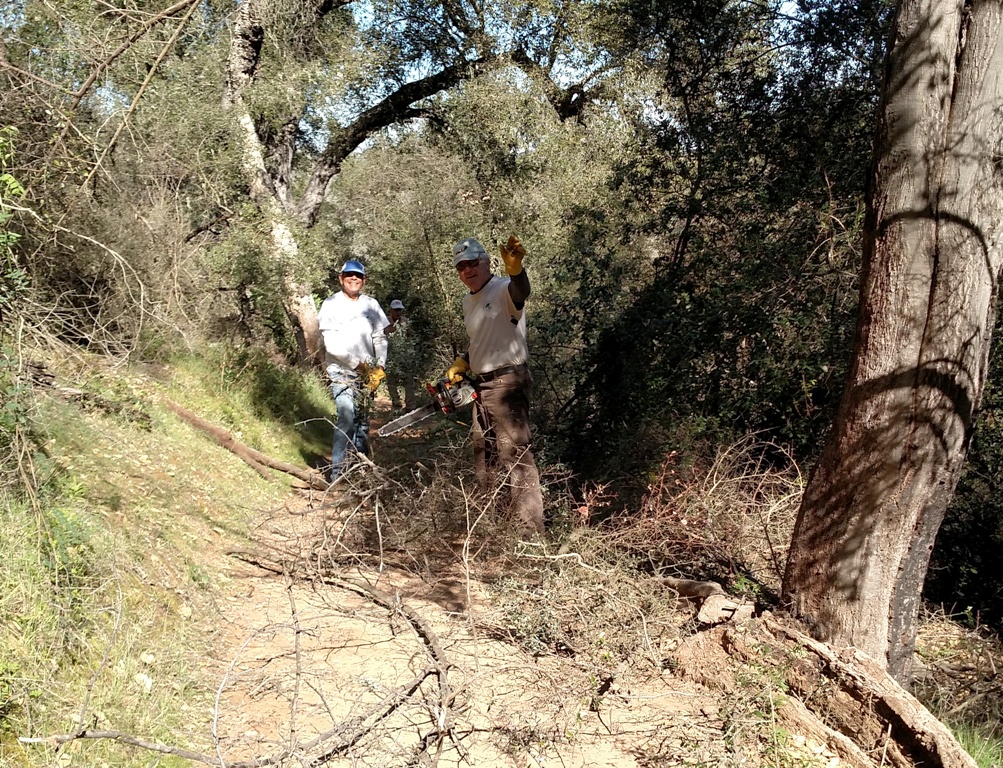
(355,355)
(497,358)
(400,370)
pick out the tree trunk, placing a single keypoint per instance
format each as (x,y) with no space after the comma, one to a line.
(299,301)
(270,185)
(242,66)
(870,514)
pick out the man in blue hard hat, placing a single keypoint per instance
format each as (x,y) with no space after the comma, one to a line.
(355,353)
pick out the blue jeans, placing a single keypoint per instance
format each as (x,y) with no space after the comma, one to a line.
(351,421)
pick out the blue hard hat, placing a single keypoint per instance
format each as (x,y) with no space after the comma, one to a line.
(354,266)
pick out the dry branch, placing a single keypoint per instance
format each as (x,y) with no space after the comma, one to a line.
(342,736)
(255,459)
(348,734)
(444,721)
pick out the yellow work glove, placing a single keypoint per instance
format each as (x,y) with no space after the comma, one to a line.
(512,254)
(456,370)
(376,375)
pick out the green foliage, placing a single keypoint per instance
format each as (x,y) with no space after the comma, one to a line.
(13,279)
(983,743)
(400,209)
(721,204)
(253,284)
(408,356)
(47,568)
(15,421)
(68,553)
(199,576)
(22,605)
(275,391)
(10,673)
(530,618)
(961,688)
(13,394)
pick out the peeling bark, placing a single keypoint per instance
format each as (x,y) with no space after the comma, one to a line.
(841,700)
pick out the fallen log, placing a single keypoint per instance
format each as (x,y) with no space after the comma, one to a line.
(870,706)
(840,700)
(258,461)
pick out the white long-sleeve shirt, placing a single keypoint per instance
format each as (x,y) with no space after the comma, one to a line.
(353,331)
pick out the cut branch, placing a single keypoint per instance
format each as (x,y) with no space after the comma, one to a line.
(255,459)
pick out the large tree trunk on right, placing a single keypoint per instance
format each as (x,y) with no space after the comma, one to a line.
(868,519)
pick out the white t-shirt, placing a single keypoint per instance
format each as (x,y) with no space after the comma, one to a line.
(497,330)
(353,331)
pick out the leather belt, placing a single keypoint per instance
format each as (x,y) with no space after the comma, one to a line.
(483,378)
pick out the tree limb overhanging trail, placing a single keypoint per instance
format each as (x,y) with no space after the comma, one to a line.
(255,459)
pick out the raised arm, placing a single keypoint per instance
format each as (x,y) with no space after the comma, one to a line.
(512,253)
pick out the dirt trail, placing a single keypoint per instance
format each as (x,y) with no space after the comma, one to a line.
(322,669)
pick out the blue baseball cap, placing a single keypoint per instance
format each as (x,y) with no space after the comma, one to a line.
(354,266)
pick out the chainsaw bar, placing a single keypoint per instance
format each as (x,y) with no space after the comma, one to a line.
(402,422)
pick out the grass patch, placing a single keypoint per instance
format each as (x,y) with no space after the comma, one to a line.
(983,743)
(286,413)
(960,682)
(109,573)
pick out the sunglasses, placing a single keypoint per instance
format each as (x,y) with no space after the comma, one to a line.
(350,275)
(467,265)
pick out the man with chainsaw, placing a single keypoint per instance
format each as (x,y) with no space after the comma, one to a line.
(497,361)
(355,353)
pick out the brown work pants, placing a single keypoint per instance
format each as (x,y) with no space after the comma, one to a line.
(503,441)
(393,388)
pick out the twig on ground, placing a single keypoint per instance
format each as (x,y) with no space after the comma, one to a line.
(104,659)
(298,655)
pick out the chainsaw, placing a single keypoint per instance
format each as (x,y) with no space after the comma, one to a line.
(447,397)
